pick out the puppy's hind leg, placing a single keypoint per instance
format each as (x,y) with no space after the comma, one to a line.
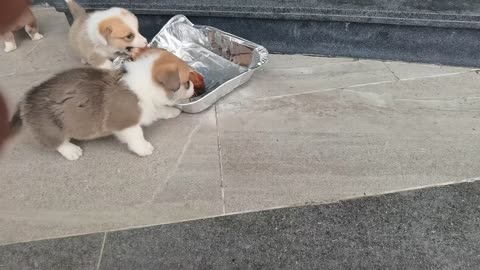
(133,137)
(9,40)
(69,150)
(32,31)
(53,137)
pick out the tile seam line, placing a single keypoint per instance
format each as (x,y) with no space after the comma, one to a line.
(220,161)
(99,262)
(8,74)
(438,75)
(161,186)
(319,202)
(34,46)
(391,71)
(306,93)
(351,86)
(320,91)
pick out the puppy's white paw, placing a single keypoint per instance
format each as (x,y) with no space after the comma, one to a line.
(142,148)
(70,151)
(37,36)
(10,47)
(170,112)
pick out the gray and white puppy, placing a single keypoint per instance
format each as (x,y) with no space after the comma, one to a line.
(89,103)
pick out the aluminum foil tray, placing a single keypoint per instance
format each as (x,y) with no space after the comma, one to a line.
(225,61)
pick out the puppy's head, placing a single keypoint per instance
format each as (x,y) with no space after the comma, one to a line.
(172,73)
(119,29)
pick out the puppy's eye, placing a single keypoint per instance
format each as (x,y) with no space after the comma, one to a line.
(130,37)
(187,85)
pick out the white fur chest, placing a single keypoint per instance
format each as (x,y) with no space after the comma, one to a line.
(152,110)
(152,97)
(106,51)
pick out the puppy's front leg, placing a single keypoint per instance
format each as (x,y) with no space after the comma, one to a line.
(107,64)
(99,61)
(133,137)
(167,112)
(9,40)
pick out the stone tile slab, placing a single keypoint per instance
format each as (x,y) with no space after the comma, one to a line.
(406,71)
(286,61)
(278,78)
(43,195)
(9,62)
(49,53)
(13,87)
(349,142)
(73,253)
(51,21)
(52,53)
(284,148)
(436,228)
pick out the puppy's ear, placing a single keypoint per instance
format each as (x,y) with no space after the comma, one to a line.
(167,75)
(104,30)
(197,80)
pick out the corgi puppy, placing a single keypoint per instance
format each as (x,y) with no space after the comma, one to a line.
(98,36)
(26,21)
(88,103)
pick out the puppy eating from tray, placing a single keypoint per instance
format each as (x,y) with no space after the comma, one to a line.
(88,103)
(99,36)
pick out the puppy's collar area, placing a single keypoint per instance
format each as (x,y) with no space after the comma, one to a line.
(119,61)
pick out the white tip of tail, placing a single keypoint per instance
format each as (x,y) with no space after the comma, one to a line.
(68,1)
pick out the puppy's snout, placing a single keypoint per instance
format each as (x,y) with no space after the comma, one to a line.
(140,42)
(143,42)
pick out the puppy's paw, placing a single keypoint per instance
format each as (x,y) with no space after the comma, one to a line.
(170,112)
(142,148)
(70,151)
(10,47)
(37,36)
(106,65)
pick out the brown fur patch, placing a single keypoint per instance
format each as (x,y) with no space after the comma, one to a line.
(166,74)
(26,18)
(114,28)
(115,31)
(168,64)
(168,58)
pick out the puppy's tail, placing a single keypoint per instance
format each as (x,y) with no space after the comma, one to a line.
(76,10)
(15,124)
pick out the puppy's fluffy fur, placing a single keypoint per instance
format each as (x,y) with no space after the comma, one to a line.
(26,21)
(98,36)
(88,103)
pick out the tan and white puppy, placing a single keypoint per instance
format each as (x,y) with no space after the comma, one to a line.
(96,37)
(88,103)
(26,21)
